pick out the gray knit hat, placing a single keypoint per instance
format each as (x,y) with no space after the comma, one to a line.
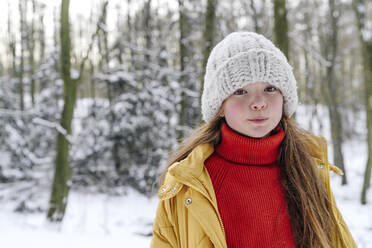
(242,58)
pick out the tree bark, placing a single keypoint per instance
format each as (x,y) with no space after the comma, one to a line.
(183,57)
(32,53)
(129,37)
(147,26)
(334,114)
(22,13)
(208,37)
(11,44)
(255,17)
(55,34)
(281,26)
(281,38)
(60,188)
(41,32)
(366,45)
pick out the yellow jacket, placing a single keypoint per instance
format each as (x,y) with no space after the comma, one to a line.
(187,215)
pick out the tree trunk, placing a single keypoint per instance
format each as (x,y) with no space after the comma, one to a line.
(257,14)
(2,70)
(129,38)
(366,45)
(32,53)
(208,37)
(55,29)
(118,45)
(115,150)
(147,21)
(22,13)
(92,83)
(60,189)
(281,26)
(11,44)
(183,51)
(334,114)
(41,32)
(281,29)
(103,20)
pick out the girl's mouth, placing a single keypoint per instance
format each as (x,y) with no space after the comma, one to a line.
(258,120)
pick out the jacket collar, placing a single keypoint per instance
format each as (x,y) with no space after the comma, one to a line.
(192,165)
(191,171)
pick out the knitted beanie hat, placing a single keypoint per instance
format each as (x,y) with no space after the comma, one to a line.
(242,58)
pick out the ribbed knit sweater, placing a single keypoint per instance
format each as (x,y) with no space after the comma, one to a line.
(250,198)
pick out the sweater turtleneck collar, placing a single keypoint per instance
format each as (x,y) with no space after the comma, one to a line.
(240,149)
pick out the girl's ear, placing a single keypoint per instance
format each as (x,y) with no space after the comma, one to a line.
(221,110)
(221,114)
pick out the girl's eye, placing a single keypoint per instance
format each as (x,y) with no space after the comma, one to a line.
(239,92)
(271,89)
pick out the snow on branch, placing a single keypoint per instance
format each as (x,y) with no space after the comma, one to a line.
(54,125)
(36,160)
(15,112)
(191,93)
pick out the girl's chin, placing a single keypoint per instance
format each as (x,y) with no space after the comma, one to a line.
(255,134)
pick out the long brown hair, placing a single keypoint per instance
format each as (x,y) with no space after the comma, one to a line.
(306,196)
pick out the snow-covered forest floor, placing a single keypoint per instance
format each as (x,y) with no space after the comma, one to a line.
(101,220)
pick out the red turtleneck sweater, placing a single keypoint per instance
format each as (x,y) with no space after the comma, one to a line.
(250,197)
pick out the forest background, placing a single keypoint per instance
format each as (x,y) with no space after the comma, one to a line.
(95,94)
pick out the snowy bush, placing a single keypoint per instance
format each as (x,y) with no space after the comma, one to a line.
(124,142)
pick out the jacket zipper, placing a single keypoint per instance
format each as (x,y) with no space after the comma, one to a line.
(216,210)
(223,228)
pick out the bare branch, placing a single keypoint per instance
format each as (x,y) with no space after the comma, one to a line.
(311,51)
(94,35)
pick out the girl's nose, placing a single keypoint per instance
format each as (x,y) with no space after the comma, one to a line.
(258,103)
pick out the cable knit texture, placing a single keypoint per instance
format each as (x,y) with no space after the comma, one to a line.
(250,197)
(242,58)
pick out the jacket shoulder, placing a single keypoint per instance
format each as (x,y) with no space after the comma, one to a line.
(316,145)
(182,173)
(318,149)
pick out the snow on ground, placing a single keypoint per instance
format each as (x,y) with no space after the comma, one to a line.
(357,216)
(98,220)
(92,220)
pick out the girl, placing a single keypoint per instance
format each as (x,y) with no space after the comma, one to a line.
(249,177)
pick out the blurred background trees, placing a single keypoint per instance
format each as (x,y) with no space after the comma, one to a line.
(137,70)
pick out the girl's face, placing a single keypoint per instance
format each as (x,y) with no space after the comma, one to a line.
(254,110)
